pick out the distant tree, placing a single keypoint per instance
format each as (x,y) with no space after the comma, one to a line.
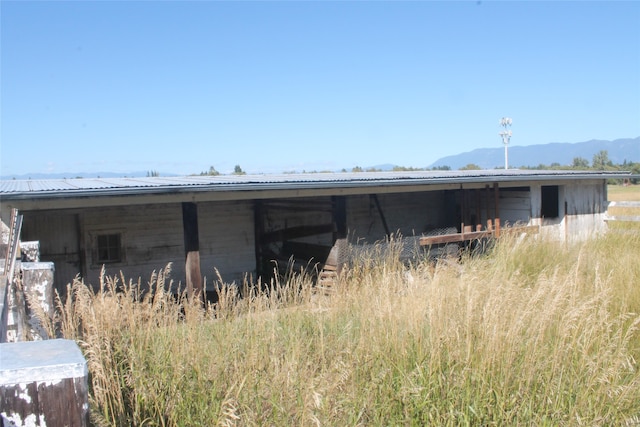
(211,172)
(153,173)
(601,160)
(406,168)
(238,171)
(357,169)
(580,163)
(470,166)
(442,168)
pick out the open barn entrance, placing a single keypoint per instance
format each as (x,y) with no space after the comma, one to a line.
(310,234)
(298,234)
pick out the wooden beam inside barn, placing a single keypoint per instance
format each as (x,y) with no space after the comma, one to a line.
(381,213)
(297,232)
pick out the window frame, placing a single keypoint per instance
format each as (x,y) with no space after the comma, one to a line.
(118,247)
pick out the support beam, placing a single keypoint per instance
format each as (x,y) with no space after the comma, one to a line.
(258,231)
(384,220)
(496,195)
(337,255)
(192,250)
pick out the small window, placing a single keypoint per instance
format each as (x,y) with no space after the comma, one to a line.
(550,201)
(108,248)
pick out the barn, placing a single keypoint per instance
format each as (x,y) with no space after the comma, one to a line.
(241,226)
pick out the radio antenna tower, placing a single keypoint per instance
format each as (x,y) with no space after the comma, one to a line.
(506,137)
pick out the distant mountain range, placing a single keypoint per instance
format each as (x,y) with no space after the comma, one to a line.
(563,153)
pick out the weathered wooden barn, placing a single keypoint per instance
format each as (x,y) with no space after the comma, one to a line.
(240,225)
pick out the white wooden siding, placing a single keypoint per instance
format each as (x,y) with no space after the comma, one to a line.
(151,238)
(227,240)
(586,205)
(515,207)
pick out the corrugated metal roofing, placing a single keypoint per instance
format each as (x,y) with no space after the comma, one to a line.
(61,188)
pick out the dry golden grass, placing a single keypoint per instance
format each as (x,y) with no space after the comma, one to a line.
(630,193)
(533,332)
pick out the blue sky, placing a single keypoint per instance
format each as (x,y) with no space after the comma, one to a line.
(280,86)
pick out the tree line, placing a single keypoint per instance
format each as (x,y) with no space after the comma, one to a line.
(599,162)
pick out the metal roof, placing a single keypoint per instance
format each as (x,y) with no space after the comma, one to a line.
(96,187)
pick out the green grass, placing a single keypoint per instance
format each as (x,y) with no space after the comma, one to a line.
(532,333)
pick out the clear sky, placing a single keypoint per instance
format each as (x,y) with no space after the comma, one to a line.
(294,85)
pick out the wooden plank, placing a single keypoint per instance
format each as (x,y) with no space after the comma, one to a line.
(623,218)
(461,237)
(623,204)
(437,240)
(297,232)
(15,228)
(324,207)
(311,202)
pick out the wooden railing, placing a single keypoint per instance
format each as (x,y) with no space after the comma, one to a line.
(623,218)
(492,230)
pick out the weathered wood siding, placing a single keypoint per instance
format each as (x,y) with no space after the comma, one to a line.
(58,234)
(227,241)
(151,237)
(514,206)
(586,207)
(406,213)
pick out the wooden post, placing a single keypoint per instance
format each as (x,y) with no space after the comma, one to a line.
(37,285)
(462,209)
(478,212)
(43,383)
(381,213)
(339,214)
(258,231)
(496,195)
(192,250)
(487,201)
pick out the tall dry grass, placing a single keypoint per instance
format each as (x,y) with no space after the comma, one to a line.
(532,332)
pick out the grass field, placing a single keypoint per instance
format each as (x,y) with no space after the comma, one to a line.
(531,333)
(629,193)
